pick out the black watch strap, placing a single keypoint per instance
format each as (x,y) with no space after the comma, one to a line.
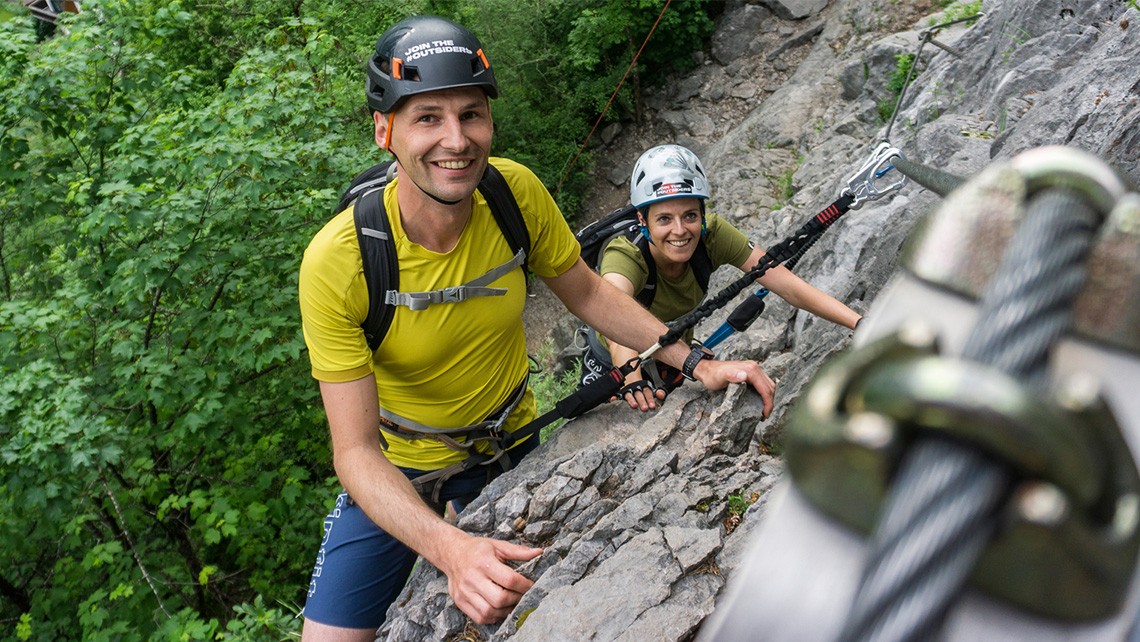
(695,356)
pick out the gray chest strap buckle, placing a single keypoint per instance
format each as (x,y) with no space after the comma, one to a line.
(458,293)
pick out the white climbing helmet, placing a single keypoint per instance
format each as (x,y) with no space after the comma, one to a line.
(667,171)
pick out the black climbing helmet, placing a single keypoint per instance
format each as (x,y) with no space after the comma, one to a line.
(425,53)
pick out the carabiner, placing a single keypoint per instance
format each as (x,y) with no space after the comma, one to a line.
(862,186)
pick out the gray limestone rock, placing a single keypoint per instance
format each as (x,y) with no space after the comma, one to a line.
(795,9)
(737,29)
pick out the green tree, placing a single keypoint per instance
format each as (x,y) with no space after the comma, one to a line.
(164,460)
(157,424)
(559,64)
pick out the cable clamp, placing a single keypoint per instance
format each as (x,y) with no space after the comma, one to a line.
(1070,530)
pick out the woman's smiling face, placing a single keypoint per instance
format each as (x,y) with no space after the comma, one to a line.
(675,228)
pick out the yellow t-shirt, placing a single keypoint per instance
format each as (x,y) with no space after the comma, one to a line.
(452,364)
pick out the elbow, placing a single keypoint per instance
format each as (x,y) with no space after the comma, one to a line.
(341,466)
(352,457)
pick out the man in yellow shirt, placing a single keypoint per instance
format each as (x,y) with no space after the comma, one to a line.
(452,364)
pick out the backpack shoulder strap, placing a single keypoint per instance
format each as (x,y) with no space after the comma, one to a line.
(645,297)
(702,265)
(378,255)
(376,176)
(596,236)
(378,249)
(505,209)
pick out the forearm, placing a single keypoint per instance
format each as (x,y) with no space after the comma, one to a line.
(617,315)
(619,355)
(479,581)
(807,297)
(634,329)
(614,314)
(373,482)
(392,503)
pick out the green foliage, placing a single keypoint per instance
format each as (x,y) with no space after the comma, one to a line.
(957,11)
(560,62)
(550,387)
(156,418)
(738,503)
(252,622)
(1017,36)
(895,85)
(784,188)
(8,11)
(164,460)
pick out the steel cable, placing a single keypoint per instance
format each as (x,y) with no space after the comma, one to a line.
(935,180)
(941,509)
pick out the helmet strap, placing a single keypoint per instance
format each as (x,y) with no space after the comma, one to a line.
(388,134)
(704,221)
(642,217)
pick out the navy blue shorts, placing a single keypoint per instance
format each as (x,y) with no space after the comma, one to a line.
(361,569)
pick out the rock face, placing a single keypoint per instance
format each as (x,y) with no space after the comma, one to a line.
(638,514)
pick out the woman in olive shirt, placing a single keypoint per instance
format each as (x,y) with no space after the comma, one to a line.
(669,188)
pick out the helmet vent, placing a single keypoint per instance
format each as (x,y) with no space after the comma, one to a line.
(479,64)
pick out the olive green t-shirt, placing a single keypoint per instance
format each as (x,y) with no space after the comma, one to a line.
(676,297)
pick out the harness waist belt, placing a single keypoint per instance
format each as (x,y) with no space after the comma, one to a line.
(488,429)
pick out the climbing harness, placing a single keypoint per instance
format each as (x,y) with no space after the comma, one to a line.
(381,275)
(980,433)
(487,433)
(865,185)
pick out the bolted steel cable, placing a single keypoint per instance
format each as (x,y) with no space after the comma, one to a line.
(1033,292)
(935,180)
(941,510)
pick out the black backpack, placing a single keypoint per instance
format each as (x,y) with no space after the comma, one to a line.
(378,250)
(623,222)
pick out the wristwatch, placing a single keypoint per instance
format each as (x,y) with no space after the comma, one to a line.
(695,356)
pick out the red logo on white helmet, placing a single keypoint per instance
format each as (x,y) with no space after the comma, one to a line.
(673,189)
